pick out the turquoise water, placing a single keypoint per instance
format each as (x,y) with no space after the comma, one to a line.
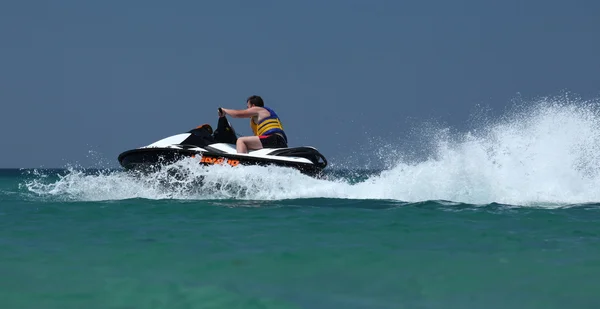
(506,215)
(64,246)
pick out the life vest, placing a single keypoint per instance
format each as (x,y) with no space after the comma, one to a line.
(269,125)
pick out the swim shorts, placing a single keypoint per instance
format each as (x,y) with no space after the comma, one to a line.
(273,141)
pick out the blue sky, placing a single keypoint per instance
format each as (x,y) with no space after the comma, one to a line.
(107,76)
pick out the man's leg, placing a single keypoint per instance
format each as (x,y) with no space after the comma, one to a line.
(246,143)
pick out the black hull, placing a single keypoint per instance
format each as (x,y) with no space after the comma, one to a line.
(148,159)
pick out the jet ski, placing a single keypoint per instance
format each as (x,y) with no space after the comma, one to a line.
(218,147)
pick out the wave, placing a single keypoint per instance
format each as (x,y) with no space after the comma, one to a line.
(546,151)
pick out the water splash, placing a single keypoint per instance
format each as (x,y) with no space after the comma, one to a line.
(185,179)
(547,151)
(541,152)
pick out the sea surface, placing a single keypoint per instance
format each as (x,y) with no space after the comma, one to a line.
(506,216)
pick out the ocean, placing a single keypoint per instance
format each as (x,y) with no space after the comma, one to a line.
(504,216)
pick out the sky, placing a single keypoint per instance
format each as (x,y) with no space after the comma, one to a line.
(82,81)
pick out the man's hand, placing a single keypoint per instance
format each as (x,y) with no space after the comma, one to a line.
(221,112)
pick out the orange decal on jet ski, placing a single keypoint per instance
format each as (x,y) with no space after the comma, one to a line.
(212,160)
(209,160)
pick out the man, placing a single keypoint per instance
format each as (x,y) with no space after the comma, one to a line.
(267,128)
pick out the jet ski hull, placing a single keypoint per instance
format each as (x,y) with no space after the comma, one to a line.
(147,159)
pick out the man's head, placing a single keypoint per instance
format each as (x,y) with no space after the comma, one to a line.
(255,101)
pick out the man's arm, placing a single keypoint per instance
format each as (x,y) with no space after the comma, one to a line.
(241,113)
